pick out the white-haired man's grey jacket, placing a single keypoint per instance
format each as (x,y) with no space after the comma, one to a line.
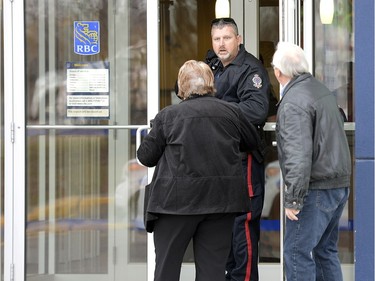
(316,154)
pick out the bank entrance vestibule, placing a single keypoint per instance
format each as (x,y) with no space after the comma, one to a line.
(81,81)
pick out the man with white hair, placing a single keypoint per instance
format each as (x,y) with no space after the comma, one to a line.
(316,166)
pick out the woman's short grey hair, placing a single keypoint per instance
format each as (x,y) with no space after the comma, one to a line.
(290,59)
(195,77)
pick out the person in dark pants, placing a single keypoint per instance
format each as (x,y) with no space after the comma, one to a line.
(241,79)
(198,186)
(315,163)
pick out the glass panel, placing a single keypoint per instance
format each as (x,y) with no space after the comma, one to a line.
(269,243)
(184,34)
(333,61)
(346,236)
(334,54)
(52,40)
(85,65)
(269,37)
(68,202)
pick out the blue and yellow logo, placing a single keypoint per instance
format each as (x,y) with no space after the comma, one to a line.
(87,37)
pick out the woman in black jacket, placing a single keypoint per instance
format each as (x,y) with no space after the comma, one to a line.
(198,185)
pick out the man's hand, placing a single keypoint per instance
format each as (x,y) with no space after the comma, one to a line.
(292,214)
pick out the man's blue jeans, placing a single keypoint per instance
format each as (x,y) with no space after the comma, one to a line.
(310,244)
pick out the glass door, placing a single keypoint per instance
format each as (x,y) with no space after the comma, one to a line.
(78,93)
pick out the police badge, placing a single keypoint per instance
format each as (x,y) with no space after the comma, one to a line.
(257,81)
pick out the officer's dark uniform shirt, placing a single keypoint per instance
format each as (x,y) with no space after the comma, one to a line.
(245,82)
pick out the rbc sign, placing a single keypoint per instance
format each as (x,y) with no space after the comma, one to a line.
(86,37)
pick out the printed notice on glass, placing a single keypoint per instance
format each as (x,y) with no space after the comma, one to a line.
(87,85)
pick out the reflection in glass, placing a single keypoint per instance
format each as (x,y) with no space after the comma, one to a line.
(269,244)
(71,216)
(50,43)
(75,220)
(334,54)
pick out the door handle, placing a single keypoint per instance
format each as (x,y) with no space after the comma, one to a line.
(138,139)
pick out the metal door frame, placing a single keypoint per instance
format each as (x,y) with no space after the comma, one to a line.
(152,100)
(14,141)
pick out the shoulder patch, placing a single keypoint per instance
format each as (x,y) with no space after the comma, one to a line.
(257,81)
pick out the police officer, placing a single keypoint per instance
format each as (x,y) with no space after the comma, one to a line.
(241,78)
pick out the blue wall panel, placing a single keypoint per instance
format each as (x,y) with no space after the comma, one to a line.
(364,220)
(364,78)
